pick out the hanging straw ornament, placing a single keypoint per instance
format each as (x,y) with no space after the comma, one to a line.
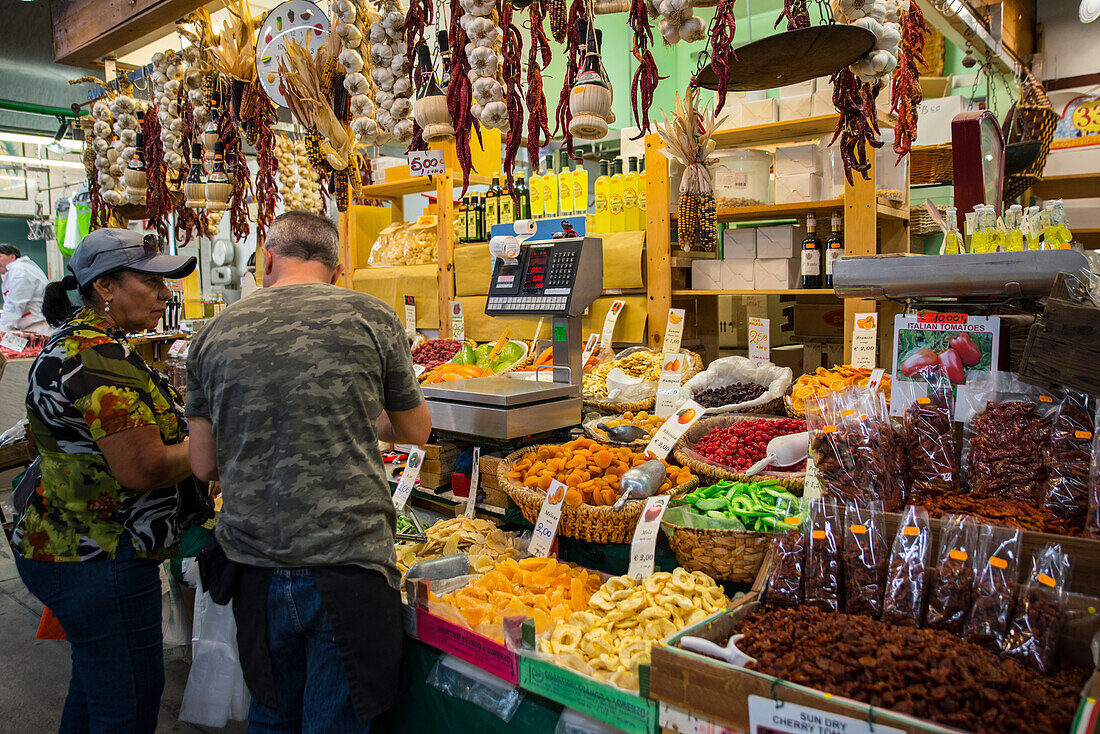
(688,139)
(591,98)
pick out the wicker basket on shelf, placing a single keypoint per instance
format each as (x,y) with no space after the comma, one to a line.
(704,467)
(724,555)
(921,222)
(931,164)
(591,523)
(609,407)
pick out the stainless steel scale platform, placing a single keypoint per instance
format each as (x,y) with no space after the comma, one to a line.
(557,278)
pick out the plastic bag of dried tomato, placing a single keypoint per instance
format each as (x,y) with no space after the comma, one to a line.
(1033,634)
(953,577)
(823,568)
(931,450)
(1071,438)
(995,589)
(906,577)
(865,558)
(1092,523)
(788,554)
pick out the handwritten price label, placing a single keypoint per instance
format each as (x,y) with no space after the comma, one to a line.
(760,350)
(410,314)
(668,387)
(674,330)
(426,163)
(864,340)
(670,431)
(475,479)
(546,527)
(589,347)
(643,545)
(408,478)
(458,321)
(609,322)
(13,342)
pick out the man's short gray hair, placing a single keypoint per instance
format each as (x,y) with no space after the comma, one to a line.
(305,236)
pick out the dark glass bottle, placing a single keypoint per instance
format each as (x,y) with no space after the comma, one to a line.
(811,255)
(480,229)
(834,249)
(426,78)
(218,173)
(197,173)
(445,56)
(507,205)
(523,197)
(492,204)
(137,163)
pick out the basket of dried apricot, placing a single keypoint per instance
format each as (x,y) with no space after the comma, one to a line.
(590,471)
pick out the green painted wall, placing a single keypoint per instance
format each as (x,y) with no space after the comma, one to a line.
(13,231)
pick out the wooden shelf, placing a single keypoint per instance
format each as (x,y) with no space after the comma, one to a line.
(1076,186)
(776,292)
(789,131)
(1089,237)
(780,211)
(415,185)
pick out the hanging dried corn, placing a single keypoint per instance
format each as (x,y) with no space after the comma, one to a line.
(905,91)
(687,138)
(559,19)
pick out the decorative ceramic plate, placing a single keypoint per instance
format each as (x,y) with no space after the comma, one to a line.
(299,20)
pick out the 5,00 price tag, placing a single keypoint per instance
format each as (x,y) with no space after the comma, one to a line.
(546,527)
(426,163)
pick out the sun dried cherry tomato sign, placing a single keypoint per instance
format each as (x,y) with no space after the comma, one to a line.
(784,717)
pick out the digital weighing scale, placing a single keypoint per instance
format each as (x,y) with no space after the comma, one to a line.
(557,278)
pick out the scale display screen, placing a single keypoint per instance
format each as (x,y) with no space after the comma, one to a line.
(535,275)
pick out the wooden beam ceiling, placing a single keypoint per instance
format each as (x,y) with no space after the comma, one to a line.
(87,31)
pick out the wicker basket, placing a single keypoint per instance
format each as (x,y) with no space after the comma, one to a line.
(726,555)
(921,222)
(591,523)
(608,407)
(699,464)
(931,164)
(788,407)
(589,427)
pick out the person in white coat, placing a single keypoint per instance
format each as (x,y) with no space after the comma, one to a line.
(24,284)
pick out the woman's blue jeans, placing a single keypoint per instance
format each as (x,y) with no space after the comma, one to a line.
(110,611)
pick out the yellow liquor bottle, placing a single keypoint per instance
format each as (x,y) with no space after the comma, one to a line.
(631,214)
(536,195)
(951,236)
(979,241)
(549,189)
(580,189)
(565,188)
(601,217)
(1056,233)
(615,198)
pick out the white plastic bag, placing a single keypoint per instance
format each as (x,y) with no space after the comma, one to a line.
(622,388)
(728,370)
(215,691)
(175,626)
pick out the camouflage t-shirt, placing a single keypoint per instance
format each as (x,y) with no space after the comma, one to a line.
(293,380)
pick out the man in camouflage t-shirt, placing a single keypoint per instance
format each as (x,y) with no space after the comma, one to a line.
(289,391)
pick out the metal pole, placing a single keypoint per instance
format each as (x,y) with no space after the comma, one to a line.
(34,109)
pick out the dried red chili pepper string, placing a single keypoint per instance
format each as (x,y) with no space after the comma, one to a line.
(905,91)
(459,94)
(187,220)
(158,200)
(512,53)
(858,125)
(572,50)
(241,178)
(795,13)
(538,58)
(643,86)
(100,214)
(419,17)
(721,52)
(266,187)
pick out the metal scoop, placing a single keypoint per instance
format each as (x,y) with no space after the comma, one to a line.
(622,434)
(783,451)
(640,482)
(729,653)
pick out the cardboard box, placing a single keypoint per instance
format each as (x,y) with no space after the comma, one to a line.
(779,241)
(789,355)
(706,275)
(793,160)
(820,316)
(738,275)
(731,114)
(797,189)
(798,89)
(732,322)
(795,106)
(821,354)
(776,273)
(759,112)
(739,244)
(935,116)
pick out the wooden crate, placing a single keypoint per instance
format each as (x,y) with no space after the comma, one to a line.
(429,481)
(1063,347)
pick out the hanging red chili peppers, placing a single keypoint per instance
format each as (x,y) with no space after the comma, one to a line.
(858,124)
(189,222)
(538,58)
(158,200)
(240,177)
(643,86)
(266,187)
(460,94)
(795,13)
(905,91)
(512,68)
(721,52)
(563,115)
(419,17)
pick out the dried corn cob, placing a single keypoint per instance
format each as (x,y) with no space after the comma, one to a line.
(558,20)
(343,195)
(209,87)
(328,76)
(353,176)
(248,102)
(313,148)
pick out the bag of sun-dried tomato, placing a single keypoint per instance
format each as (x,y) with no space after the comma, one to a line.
(906,577)
(995,589)
(823,568)
(1033,634)
(865,558)
(788,554)
(953,577)
(1067,490)
(1092,523)
(930,447)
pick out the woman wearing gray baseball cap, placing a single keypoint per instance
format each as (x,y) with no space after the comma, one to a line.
(112,488)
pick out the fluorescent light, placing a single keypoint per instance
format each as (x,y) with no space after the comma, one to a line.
(22,161)
(40,140)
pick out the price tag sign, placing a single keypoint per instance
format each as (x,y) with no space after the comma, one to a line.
(876,378)
(783,717)
(546,527)
(668,387)
(609,322)
(458,321)
(589,347)
(13,342)
(643,545)
(418,370)
(408,478)
(669,433)
(865,340)
(811,488)
(410,313)
(177,348)
(674,330)
(426,163)
(760,335)
(475,479)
